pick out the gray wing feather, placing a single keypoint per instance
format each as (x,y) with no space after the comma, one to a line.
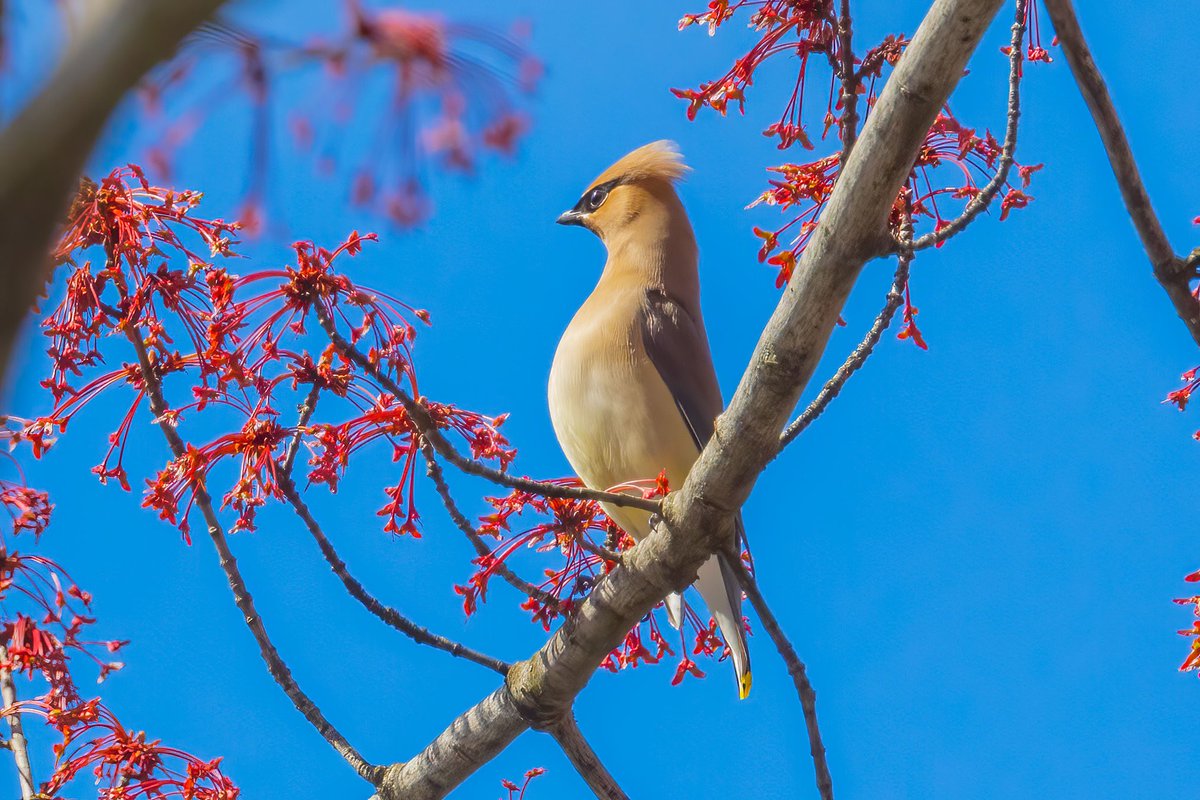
(678,348)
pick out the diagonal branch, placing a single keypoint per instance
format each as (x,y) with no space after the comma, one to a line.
(697,519)
(17,742)
(428,428)
(584,759)
(795,668)
(388,614)
(241,595)
(1172,272)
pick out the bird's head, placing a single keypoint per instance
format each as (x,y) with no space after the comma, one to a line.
(640,184)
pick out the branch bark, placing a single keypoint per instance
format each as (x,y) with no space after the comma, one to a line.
(585,761)
(17,742)
(795,668)
(43,151)
(1173,273)
(698,518)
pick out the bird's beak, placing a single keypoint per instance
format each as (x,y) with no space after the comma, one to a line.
(571,217)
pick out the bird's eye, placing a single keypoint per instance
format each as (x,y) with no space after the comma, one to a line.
(596,198)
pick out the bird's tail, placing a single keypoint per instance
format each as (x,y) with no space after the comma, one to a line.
(718,585)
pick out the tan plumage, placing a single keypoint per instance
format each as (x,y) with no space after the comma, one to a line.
(632,388)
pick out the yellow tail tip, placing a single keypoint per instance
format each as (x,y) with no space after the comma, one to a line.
(744,686)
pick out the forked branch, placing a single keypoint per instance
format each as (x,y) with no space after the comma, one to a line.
(980,202)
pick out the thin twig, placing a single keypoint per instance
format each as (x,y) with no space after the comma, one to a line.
(241,596)
(17,741)
(850,81)
(584,759)
(424,423)
(434,471)
(795,668)
(388,614)
(854,362)
(306,411)
(611,556)
(1172,272)
(980,202)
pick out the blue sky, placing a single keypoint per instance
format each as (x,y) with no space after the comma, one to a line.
(974,550)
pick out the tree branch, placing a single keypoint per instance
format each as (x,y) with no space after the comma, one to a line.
(17,742)
(1171,271)
(425,424)
(856,359)
(795,668)
(43,150)
(387,614)
(307,408)
(584,759)
(848,124)
(697,519)
(241,595)
(434,471)
(980,202)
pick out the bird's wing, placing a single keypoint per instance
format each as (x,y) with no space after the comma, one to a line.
(678,348)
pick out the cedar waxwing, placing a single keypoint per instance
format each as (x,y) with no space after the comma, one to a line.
(632,389)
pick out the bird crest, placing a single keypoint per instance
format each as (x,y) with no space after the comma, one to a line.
(659,159)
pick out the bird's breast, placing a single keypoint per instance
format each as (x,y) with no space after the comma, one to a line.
(614,417)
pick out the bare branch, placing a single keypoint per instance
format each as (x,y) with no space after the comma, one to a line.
(388,614)
(795,668)
(42,152)
(584,759)
(857,358)
(850,81)
(697,519)
(241,596)
(980,202)
(425,424)
(17,742)
(1171,271)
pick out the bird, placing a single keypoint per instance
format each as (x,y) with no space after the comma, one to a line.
(632,390)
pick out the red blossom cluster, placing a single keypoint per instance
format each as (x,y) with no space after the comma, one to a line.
(242,344)
(124,764)
(518,792)
(585,544)
(800,28)
(45,620)
(450,94)
(46,617)
(1192,662)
